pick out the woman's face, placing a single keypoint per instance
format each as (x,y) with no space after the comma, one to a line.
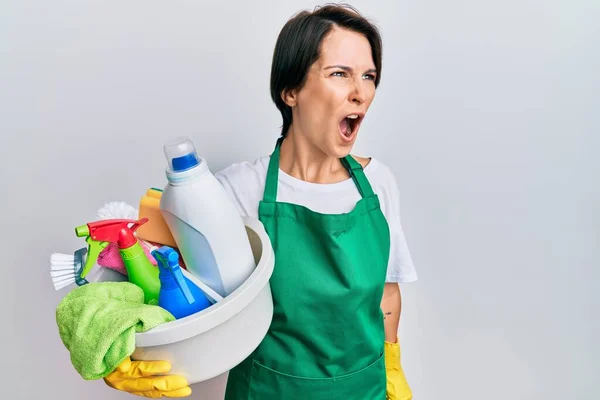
(339,89)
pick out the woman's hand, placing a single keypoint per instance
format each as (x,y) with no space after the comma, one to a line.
(397,386)
(148,379)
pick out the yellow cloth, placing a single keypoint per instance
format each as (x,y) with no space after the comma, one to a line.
(148,379)
(397,386)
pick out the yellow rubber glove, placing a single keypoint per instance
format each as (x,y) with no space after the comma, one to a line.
(397,386)
(148,379)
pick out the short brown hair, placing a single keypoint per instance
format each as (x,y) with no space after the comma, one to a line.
(298,46)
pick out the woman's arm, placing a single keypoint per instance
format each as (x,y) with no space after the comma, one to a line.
(391,305)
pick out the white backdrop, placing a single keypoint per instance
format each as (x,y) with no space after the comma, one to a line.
(487,113)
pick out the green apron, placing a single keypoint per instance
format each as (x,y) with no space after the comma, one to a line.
(326,338)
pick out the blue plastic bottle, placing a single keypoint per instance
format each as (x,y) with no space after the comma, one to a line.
(178,295)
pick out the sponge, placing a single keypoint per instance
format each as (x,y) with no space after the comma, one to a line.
(156,229)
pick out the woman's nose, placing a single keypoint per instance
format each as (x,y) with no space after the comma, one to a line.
(358,94)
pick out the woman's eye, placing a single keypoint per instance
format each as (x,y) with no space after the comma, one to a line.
(339,73)
(370,77)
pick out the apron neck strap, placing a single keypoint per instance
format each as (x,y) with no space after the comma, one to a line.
(270,195)
(358,175)
(354,169)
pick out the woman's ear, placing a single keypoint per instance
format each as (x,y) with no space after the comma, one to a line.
(289,97)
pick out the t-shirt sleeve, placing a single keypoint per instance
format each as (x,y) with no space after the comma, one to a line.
(400,266)
(222,177)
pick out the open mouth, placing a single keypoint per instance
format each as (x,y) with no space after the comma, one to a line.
(349,125)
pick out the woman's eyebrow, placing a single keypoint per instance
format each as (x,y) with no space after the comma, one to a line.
(349,69)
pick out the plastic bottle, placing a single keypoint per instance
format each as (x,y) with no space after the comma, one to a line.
(140,270)
(178,295)
(204,221)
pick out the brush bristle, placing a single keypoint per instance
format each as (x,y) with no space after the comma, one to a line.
(62,258)
(60,284)
(62,270)
(63,279)
(117,210)
(62,262)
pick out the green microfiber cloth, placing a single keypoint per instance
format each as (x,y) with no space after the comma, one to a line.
(97,323)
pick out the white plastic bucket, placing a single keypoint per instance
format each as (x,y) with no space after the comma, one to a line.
(216,339)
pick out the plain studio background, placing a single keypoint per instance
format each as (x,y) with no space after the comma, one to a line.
(487,113)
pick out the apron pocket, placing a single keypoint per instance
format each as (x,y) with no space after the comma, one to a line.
(368,383)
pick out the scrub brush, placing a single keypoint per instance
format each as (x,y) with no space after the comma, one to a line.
(66,269)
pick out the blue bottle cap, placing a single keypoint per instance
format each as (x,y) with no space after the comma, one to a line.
(184,162)
(181,154)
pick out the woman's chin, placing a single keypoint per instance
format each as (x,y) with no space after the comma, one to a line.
(341,149)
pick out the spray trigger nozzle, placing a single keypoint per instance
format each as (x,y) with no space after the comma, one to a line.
(99,234)
(168,261)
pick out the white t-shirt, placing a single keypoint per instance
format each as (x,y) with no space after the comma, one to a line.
(245,183)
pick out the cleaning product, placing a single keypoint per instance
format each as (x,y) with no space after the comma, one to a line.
(209,230)
(140,270)
(156,230)
(110,257)
(178,295)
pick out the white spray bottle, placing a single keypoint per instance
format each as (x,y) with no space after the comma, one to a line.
(205,223)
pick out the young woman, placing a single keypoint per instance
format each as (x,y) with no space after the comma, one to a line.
(334,224)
